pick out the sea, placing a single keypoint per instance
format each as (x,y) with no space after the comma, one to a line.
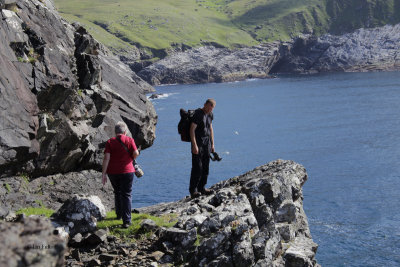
(344,128)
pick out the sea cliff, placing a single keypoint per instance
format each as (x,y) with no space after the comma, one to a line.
(362,50)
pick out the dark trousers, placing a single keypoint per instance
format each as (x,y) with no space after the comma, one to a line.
(200,169)
(122,184)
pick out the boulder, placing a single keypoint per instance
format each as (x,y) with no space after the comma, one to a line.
(31,242)
(80,214)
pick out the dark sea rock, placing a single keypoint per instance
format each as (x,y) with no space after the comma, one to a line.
(61,94)
(80,214)
(31,242)
(211,64)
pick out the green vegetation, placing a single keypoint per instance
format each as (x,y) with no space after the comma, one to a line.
(7,187)
(156,25)
(133,231)
(36,211)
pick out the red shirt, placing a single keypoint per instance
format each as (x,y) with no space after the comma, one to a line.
(120,160)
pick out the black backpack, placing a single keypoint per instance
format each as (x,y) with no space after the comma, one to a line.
(184,124)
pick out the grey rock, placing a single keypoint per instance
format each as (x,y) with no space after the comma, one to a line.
(301,253)
(31,242)
(211,64)
(362,50)
(52,191)
(149,225)
(179,237)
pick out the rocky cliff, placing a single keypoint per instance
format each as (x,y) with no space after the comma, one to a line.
(61,93)
(255,219)
(211,64)
(363,50)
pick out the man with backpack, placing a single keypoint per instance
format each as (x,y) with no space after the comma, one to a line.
(202,143)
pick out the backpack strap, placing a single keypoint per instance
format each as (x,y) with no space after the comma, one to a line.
(126,148)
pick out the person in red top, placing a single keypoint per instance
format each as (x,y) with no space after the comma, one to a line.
(119,153)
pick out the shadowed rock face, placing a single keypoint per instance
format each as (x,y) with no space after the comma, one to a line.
(61,94)
(256,219)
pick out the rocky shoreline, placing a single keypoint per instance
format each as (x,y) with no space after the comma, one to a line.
(374,49)
(255,219)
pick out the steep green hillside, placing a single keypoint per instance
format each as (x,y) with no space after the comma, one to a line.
(159,24)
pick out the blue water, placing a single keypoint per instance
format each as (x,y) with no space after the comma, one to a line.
(344,128)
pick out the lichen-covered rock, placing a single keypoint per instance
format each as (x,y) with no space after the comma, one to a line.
(31,242)
(80,214)
(256,219)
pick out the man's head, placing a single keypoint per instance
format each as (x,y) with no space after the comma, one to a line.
(121,128)
(209,105)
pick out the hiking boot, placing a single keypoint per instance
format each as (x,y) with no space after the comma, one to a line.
(207,192)
(126,225)
(195,195)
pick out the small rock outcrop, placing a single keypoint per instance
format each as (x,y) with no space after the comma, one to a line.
(80,214)
(31,242)
(211,64)
(61,94)
(256,219)
(363,50)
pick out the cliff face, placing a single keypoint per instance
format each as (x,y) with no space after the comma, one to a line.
(61,93)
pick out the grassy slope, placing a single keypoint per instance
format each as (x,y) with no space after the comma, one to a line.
(154,23)
(157,24)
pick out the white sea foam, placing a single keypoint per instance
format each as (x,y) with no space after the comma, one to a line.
(161,96)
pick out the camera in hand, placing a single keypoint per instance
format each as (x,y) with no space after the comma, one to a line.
(138,171)
(215,157)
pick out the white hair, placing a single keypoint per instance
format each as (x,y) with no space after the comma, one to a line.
(121,127)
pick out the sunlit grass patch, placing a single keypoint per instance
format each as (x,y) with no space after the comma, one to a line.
(36,211)
(115,226)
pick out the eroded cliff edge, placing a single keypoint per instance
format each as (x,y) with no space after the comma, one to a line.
(61,93)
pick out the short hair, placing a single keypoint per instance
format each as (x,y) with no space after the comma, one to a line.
(211,101)
(120,127)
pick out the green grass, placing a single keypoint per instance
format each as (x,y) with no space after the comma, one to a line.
(7,187)
(155,24)
(36,211)
(133,231)
(158,24)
